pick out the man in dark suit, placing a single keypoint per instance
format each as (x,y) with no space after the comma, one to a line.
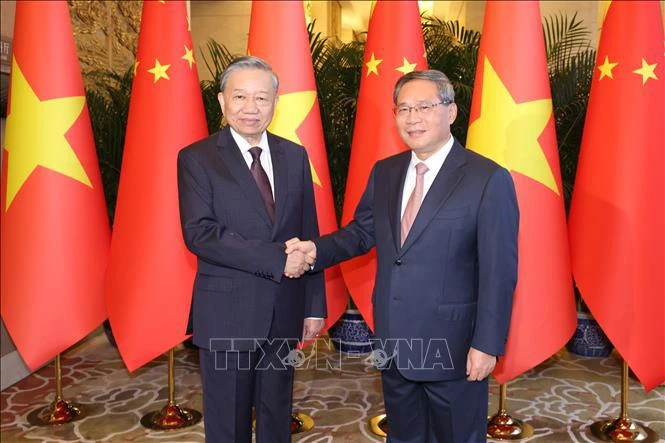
(243,192)
(444,221)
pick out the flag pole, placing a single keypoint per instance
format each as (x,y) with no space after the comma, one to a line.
(501,426)
(171,416)
(60,411)
(623,428)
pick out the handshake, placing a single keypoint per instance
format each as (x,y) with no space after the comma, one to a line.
(300,257)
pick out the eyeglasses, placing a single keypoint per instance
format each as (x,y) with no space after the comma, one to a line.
(421,108)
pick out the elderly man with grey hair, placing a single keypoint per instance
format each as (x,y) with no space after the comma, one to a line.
(243,192)
(444,221)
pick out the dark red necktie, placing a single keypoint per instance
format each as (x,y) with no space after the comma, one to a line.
(262,181)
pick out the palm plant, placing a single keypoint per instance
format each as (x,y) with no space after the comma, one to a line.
(570,62)
(338,71)
(108,105)
(219,57)
(453,50)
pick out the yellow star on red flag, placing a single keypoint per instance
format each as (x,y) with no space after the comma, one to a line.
(159,71)
(606,68)
(406,66)
(36,135)
(508,132)
(291,111)
(372,65)
(646,71)
(189,56)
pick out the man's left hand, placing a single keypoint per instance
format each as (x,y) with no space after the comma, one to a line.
(311,328)
(479,365)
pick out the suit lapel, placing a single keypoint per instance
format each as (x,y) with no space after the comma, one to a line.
(230,154)
(280,170)
(395,191)
(442,188)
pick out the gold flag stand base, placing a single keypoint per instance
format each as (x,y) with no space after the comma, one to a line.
(60,411)
(301,422)
(623,429)
(171,416)
(501,426)
(379,425)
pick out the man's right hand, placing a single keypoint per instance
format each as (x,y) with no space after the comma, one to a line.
(301,255)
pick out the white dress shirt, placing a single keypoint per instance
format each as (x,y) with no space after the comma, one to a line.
(433,163)
(266,159)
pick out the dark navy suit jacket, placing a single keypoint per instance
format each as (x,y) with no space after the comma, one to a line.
(239,291)
(450,287)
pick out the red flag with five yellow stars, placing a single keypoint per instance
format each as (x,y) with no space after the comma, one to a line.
(55,229)
(394,47)
(512,123)
(151,272)
(617,222)
(277,34)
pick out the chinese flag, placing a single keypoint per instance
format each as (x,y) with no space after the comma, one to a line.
(512,123)
(394,47)
(277,34)
(151,273)
(616,224)
(55,229)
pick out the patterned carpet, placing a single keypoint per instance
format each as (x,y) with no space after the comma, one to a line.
(560,398)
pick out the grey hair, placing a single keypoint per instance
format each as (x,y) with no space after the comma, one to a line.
(247,62)
(443,84)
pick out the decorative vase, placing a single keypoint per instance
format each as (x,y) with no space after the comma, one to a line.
(589,340)
(351,334)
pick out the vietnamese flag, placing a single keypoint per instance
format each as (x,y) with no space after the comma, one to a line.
(394,47)
(55,228)
(512,123)
(151,272)
(278,34)
(617,222)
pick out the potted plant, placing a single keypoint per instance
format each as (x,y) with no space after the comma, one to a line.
(571,61)
(589,340)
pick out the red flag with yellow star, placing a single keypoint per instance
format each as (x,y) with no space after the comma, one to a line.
(277,34)
(512,123)
(55,229)
(151,272)
(394,47)
(617,213)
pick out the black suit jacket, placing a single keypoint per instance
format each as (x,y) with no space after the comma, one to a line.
(450,287)
(239,291)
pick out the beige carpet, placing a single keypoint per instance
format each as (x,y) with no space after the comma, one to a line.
(560,398)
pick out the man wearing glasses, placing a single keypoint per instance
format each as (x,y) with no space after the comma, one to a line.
(444,221)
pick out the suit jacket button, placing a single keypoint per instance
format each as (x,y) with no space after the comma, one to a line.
(398,262)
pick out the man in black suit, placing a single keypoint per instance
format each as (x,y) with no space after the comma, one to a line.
(243,192)
(444,221)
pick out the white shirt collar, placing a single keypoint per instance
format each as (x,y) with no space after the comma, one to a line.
(245,146)
(435,161)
